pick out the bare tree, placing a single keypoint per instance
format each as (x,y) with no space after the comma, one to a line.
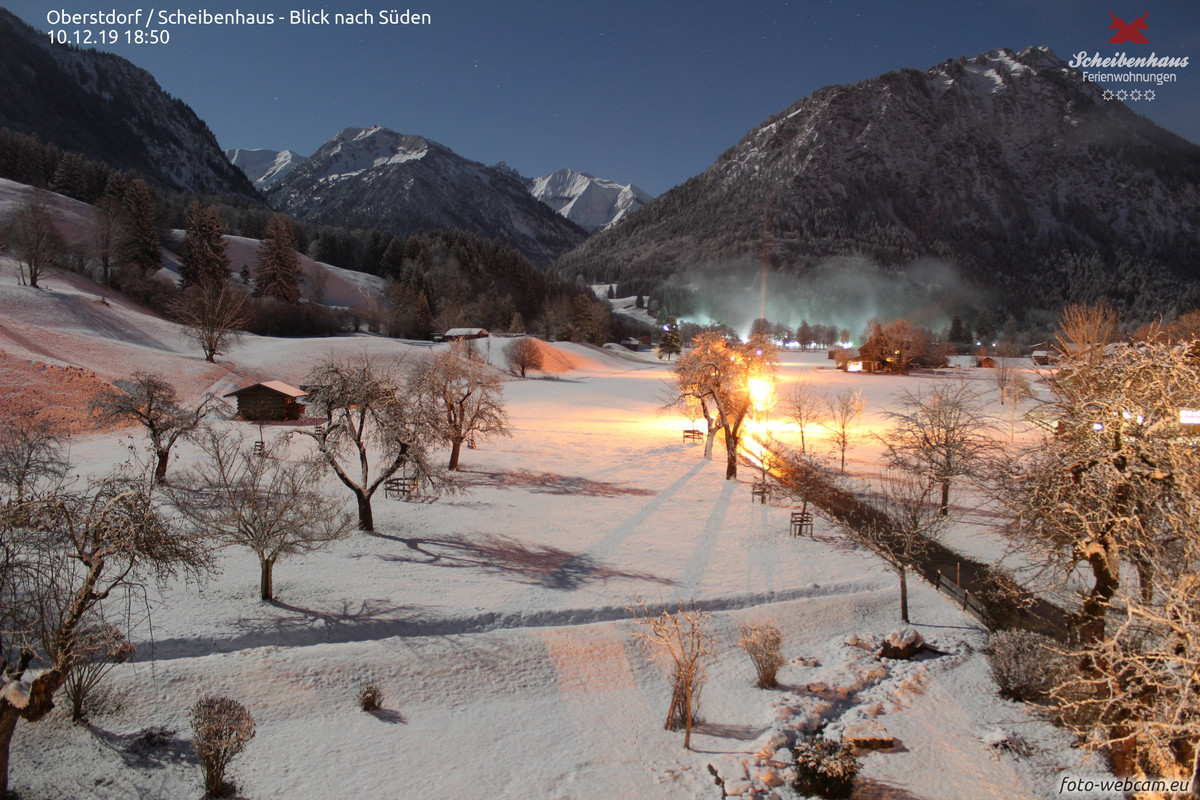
(764,645)
(723,375)
(806,407)
(264,502)
(461,397)
(105,235)
(34,237)
(368,411)
(152,402)
(679,636)
(1114,485)
(1084,330)
(33,457)
(213,315)
(842,412)
(62,555)
(940,431)
(523,354)
(1016,390)
(909,522)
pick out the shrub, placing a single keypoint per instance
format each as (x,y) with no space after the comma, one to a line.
(1025,665)
(222,727)
(97,650)
(370,697)
(825,768)
(763,643)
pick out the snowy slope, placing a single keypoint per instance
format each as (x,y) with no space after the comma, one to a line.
(592,203)
(496,620)
(264,168)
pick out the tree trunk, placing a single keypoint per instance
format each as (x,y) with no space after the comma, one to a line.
(731,448)
(160,470)
(708,443)
(1106,572)
(8,724)
(903,593)
(944,509)
(455,448)
(266,582)
(366,520)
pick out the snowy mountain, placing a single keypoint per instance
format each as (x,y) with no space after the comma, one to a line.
(1009,166)
(375,177)
(592,203)
(264,168)
(105,108)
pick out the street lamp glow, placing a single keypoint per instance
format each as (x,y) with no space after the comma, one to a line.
(762,393)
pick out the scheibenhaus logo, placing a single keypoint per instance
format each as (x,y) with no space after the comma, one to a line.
(1124,74)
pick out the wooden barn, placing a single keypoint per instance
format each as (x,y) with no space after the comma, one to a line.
(271,400)
(459,334)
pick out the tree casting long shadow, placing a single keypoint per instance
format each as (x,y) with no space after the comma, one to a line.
(540,565)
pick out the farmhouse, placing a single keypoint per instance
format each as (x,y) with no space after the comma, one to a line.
(459,334)
(271,400)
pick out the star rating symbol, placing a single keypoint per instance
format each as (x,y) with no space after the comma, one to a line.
(1136,95)
(1122,95)
(1109,96)
(1150,94)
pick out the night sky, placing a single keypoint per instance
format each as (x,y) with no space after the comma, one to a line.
(649,92)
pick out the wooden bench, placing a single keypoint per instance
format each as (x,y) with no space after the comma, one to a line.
(403,488)
(760,490)
(693,435)
(260,448)
(802,523)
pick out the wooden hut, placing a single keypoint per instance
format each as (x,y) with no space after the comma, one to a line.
(459,334)
(271,400)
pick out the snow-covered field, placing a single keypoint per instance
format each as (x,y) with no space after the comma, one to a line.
(495,620)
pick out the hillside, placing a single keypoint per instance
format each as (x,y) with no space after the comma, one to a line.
(1008,167)
(103,107)
(377,178)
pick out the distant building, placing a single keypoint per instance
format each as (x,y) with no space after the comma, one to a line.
(985,361)
(271,400)
(459,334)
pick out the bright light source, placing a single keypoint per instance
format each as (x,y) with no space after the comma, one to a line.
(1189,416)
(762,393)
(1098,426)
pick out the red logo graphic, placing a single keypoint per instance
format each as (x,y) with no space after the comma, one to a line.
(1129,33)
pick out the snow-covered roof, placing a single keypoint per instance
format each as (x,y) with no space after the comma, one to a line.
(465,332)
(275,386)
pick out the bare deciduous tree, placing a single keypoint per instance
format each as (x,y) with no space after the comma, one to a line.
(523,354)
(369,413)
(721,373)
(806,407)
(213,315)
(34,237)
(33,457)
(1085,329)
(150,401)
(842,412)
(1114,485)
(62,555)
(265,502)
(460,397)
(909,522)
(679,636)
(941,431)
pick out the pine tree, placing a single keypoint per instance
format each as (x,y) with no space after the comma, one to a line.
(278,263)
(670,344)
(612,293)
(985,328)
(139,245)
(204,261)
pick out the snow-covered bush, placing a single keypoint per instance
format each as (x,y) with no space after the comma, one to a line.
(764,645)
(825,768)
(1025,665)
(370,697)
(223,727)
